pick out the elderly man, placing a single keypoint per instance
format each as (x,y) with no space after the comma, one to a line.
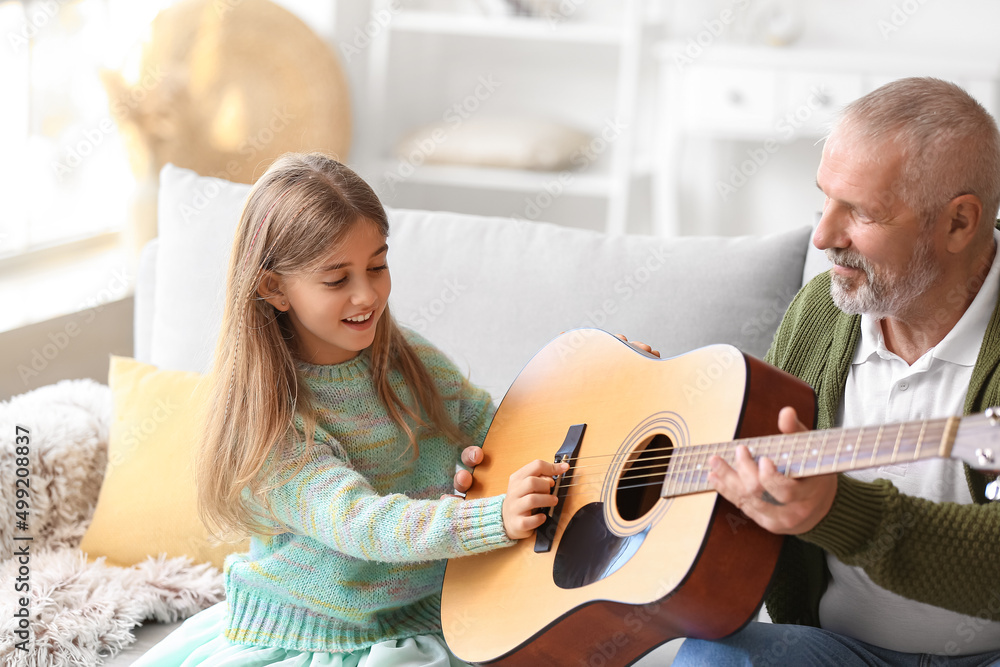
(899,565)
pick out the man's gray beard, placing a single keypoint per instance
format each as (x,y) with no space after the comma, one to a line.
(882,294)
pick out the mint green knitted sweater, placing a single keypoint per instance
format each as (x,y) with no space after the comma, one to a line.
(944,554)
(364,533)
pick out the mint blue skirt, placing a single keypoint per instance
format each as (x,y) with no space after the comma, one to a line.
(200,640)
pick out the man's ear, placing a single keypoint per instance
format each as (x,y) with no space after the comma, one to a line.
(965,214)
(269,289)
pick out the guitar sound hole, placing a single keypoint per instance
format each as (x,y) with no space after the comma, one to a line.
(640,482)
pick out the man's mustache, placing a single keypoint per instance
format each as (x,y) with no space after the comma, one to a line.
(847,258)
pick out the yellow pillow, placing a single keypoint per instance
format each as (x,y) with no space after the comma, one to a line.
(147,505)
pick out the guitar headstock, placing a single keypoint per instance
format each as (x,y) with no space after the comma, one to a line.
(977,441)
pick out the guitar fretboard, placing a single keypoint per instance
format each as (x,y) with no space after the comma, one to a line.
(816,452)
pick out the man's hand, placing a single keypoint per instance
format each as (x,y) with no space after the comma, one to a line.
(775,502)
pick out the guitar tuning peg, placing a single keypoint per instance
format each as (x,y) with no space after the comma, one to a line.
(993,414)
(984,457)
(993,490)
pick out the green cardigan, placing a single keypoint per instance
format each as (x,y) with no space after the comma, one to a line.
(944,554)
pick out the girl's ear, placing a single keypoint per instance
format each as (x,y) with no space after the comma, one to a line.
(269,289)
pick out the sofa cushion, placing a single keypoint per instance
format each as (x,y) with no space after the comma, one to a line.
(492,291)
(147,504)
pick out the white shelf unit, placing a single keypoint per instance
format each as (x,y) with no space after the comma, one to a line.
(567,52)
(513,180)
(512,27)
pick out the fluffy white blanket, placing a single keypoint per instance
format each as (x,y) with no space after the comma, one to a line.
(80,612)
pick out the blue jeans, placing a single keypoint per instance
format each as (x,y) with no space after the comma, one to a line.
(773,644)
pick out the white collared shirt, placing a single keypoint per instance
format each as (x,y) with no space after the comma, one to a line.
(882,388)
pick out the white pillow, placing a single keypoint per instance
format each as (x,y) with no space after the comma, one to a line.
(197,218)
(497,142)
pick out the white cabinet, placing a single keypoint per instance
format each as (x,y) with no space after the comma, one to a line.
(729,99)
(770,97)
(576,64)
(813,98)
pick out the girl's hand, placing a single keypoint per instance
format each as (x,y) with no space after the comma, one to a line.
(471,457)
(528,490)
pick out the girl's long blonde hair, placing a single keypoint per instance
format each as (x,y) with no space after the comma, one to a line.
(302,207)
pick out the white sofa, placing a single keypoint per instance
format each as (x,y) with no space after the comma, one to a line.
(488,291)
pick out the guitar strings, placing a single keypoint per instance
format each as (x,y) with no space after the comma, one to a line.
(697,454)
(686,462)
(684,478)
(866,435)
(678,476)
(682,475)
(762,444)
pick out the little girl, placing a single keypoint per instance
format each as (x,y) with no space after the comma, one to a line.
(332,439)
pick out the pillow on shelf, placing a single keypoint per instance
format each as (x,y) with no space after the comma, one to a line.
(497,142)
(148,504)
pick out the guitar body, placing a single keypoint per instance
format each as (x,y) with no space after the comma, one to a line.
(627,569)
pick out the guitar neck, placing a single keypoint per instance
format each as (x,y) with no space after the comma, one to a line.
(817,452)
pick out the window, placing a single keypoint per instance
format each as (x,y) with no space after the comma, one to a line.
(65,181)
(64,175)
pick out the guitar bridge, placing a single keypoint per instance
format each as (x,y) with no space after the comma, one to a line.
(545,533)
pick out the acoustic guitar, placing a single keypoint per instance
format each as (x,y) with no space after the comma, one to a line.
(639,550)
